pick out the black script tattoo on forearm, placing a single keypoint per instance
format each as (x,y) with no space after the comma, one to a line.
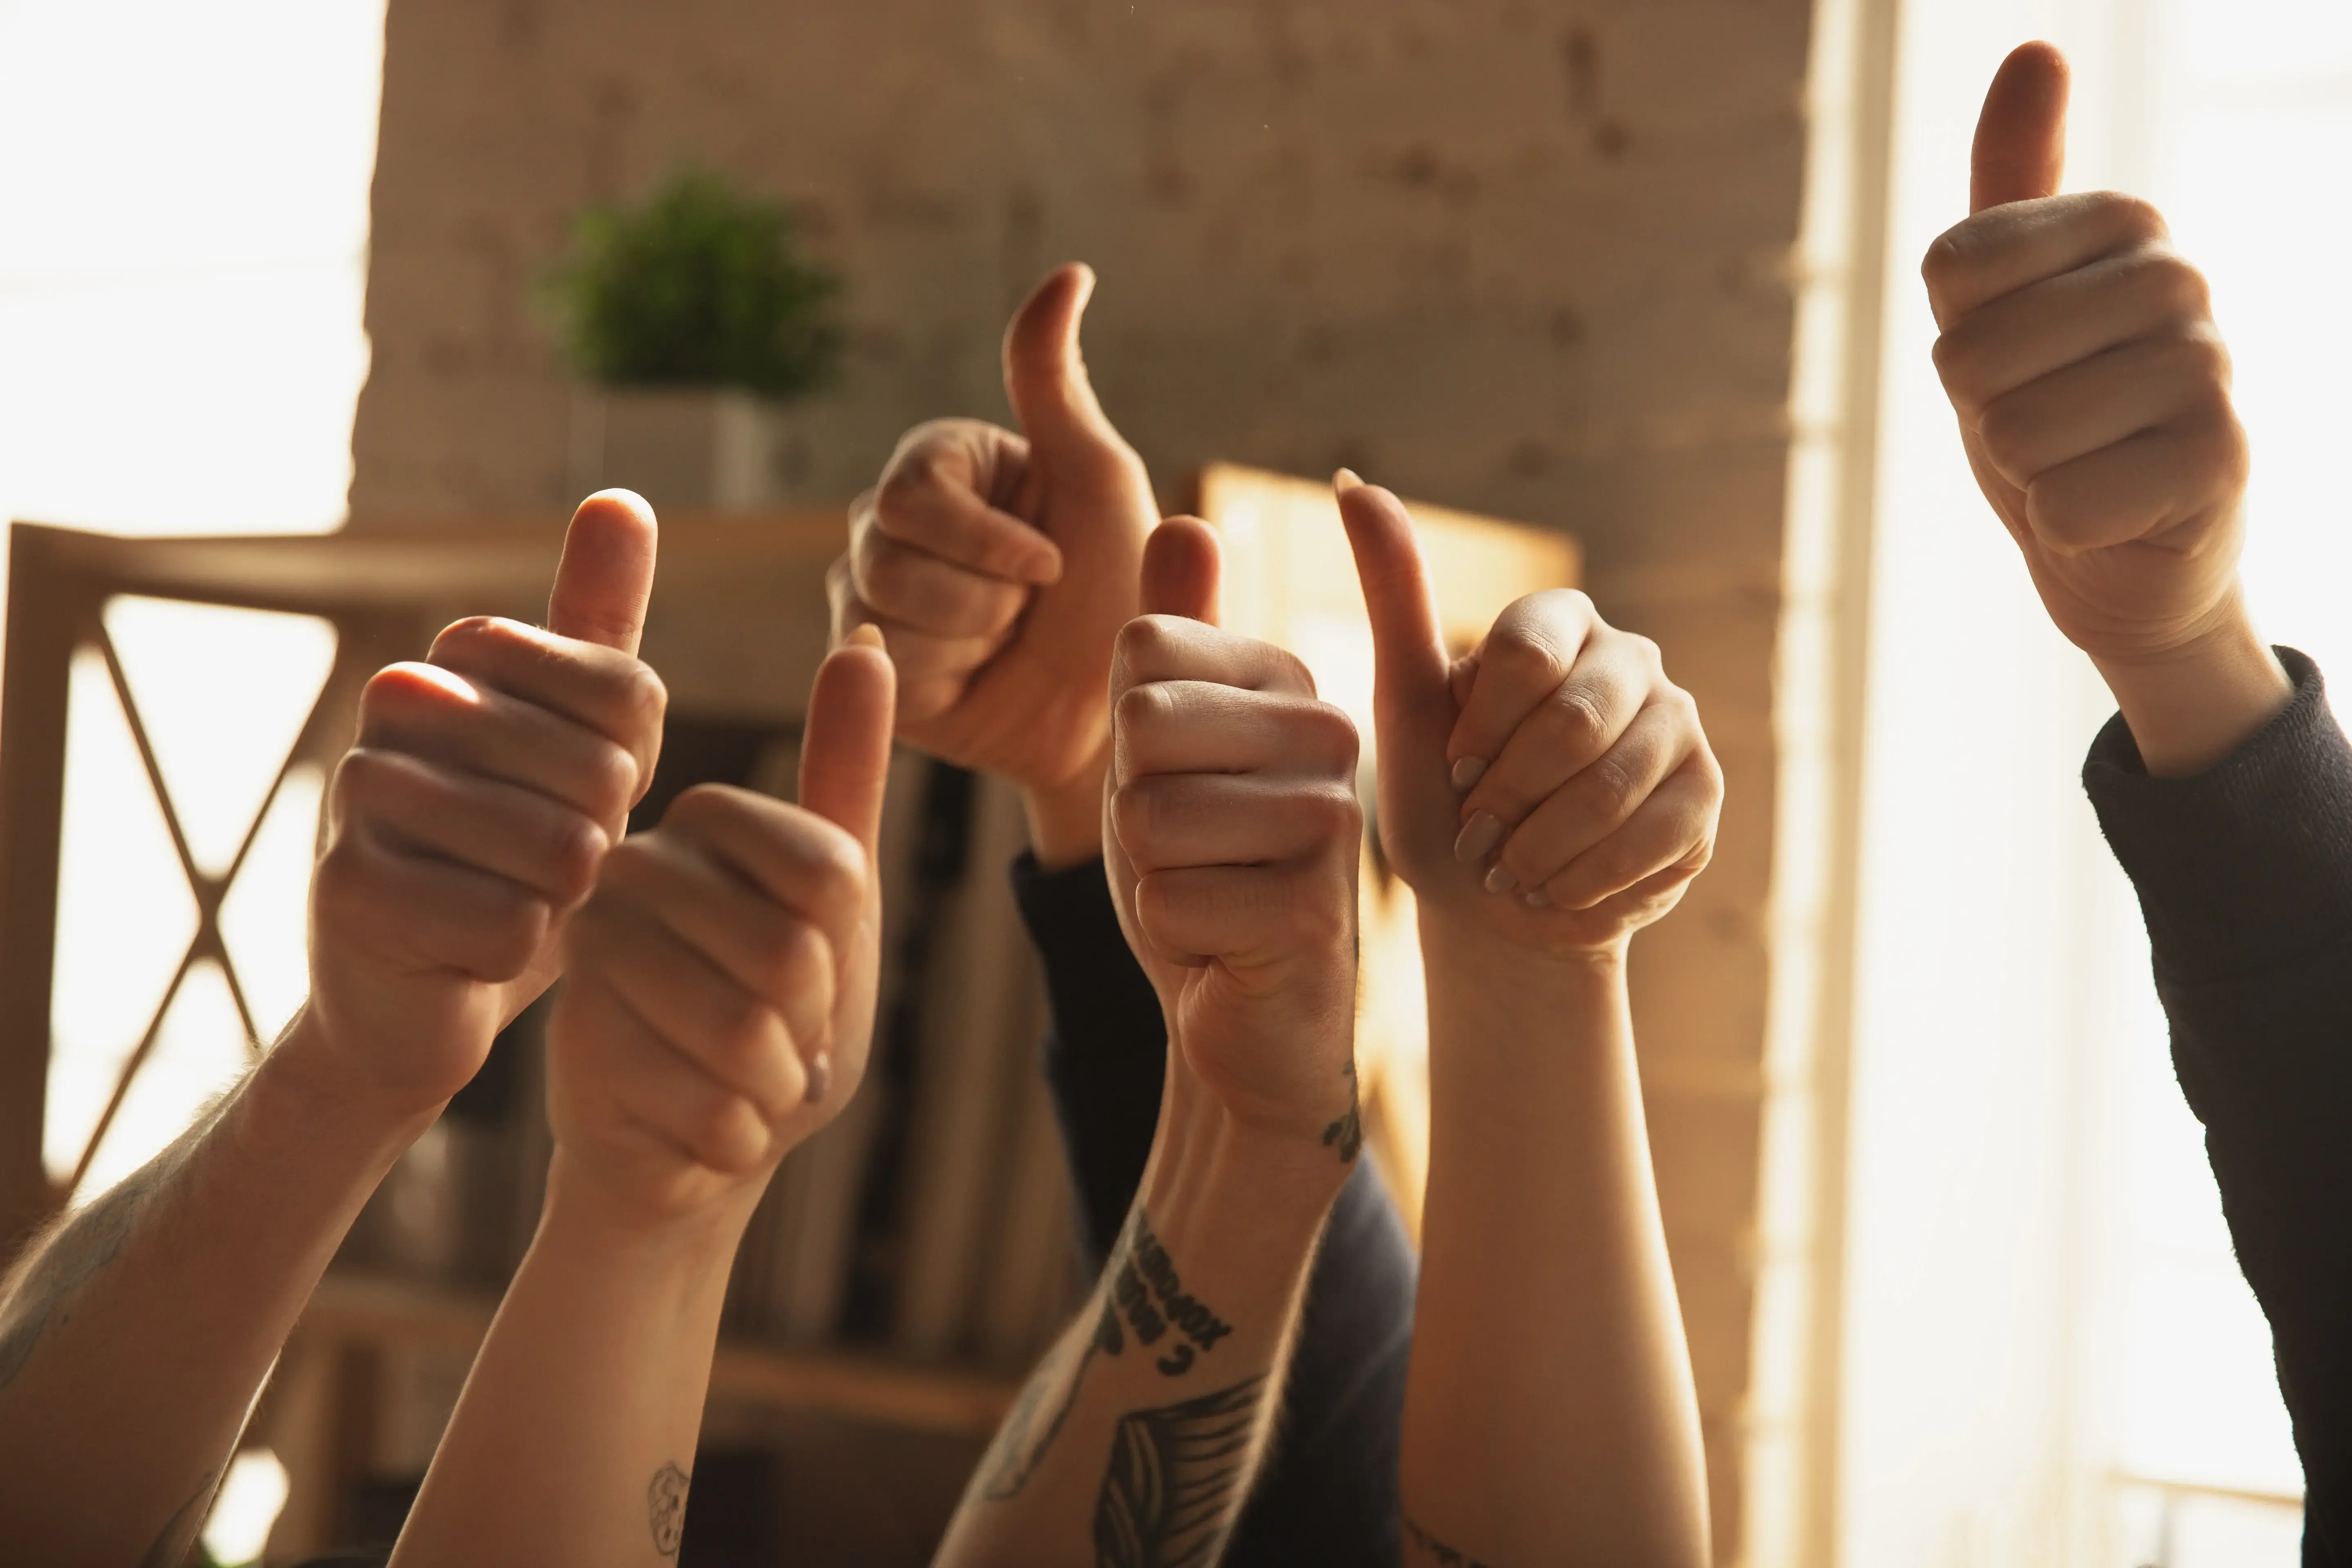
(666,1508)
(1347,1134)
(1445,1555)
(1145,1284)
(1016,1455)
(1175,1480)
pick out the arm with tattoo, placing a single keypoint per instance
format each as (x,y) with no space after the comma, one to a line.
(1230,847)
(717,1009)
(463,826)
(1545,795)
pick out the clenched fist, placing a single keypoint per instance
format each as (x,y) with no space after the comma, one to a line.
(999,566)
(719,998)
(2093,391)
(1232,844)
(471,816)
(1551,787)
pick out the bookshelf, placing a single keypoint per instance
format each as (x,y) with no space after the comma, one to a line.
(938,1220)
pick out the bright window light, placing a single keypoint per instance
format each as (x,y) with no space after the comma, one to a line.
(250,1496)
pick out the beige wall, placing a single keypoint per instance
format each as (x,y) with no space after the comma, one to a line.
(1531,259)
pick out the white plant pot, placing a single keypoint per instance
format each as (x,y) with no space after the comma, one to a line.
(688,449)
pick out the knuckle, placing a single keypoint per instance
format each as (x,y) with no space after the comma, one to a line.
(1577,719)
(610,778)
(1332,810)
(1608,789)
(1148,640)
(2179,288)
(1950,257)
(1143,709)
(2005,427)
(1335,733)
(575,854)
(2204,359)
(2131,216)
(791,957)
(701,808)
(513,935)
(641,697)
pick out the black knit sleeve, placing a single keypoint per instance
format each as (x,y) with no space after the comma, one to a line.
(1328,1494)
(2244,875)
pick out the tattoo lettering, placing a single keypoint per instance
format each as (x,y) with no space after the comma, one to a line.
(1147,1288)
(1443,1555)
(666,1508)
(1347,1133)
(1013,1456)
(1169,1497)
(179,1531)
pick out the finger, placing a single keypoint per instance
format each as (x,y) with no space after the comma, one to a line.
(795,858)
(2105,399)
(1203,727)
(416,805)
(2047,326)
(932,671)
(1409,664)
(1248,915)
(1675,827)
(1564,732)
(728,1031)
(2138,488)
(760,945)
(1647,899)
(1176,647)
(606,574)
(1598,799)
(1172,820)
(1526,656)
(1046,375)
(438,715)
(613,693)
(846,740)
(2005,248)
(659,1088)
(448,916)
(921,589)
(930,498)
(2020,144)
(1180,565)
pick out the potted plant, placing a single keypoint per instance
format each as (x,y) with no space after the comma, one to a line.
(692,318)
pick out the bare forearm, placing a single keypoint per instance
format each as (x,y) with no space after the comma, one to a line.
(1065,819)
(2193,706)
(133,1340)
(574,1440)
(1549,1413)
(1137,1438)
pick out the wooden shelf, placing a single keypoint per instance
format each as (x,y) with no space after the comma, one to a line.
(378,1311)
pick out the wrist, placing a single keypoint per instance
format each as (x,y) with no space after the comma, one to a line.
(305,1073)
(1207,1159)
(2190,706)
(1065,817)
(584,1217)
(1458,952)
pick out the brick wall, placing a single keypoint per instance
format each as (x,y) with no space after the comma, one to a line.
(1523,256)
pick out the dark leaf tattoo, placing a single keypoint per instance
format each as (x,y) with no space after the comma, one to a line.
(666,1508)
(179,1531)
(1347,1134)
(1016,1455)
(1169,1498)
(1437,1551)
(85,1244)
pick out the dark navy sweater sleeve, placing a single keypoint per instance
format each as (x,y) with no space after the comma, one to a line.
(1328,1494)
(2244,875)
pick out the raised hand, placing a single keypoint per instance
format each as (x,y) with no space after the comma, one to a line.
(1231,840)
(1552,787)
(2093,391)
(999,566)
(469,819)
(718,999)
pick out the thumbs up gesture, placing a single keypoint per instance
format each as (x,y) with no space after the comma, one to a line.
(2092,387)
(999,566)
(1231,840)
(469,818)
(1552,789)
(718,997)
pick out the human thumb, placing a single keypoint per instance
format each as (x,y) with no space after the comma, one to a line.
(1046,375)
(606,574)
(1180,570)
(1409,662)
(2021,145)
(846,740)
